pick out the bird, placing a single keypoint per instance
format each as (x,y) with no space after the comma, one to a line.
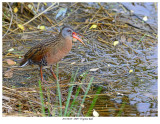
(51,51)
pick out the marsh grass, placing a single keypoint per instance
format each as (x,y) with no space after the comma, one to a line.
(59,92)
(73,78)
(89,85)
(93,102)
(41,98)
(70,104)
(76,95)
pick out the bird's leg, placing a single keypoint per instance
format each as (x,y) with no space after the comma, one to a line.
(42,75)
(53,73)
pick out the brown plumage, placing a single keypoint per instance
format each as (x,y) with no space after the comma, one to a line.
(51,51)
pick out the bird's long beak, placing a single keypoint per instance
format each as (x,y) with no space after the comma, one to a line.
(74,35)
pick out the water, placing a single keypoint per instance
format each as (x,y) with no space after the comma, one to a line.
(123,93)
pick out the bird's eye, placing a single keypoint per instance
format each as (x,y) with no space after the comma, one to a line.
(68,30)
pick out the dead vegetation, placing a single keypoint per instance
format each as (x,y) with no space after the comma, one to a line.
(118,45)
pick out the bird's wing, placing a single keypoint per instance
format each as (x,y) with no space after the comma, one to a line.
(36,53)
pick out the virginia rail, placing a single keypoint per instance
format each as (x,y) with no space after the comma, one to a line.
(51,51)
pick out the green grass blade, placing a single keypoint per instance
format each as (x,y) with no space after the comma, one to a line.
(89,85)
(94,101)
(142,37)
(121,109)
(73,78)
(75,97)
(73,102)
(59,92)
(48,99)
(42,99)
(19,107)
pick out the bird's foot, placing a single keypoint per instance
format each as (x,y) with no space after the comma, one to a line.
(44,81)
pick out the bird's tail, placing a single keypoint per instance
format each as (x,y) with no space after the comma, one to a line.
(24,62)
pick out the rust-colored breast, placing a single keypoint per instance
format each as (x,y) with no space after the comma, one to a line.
(59,51)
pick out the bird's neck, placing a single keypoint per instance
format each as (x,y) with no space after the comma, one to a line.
(65,38)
